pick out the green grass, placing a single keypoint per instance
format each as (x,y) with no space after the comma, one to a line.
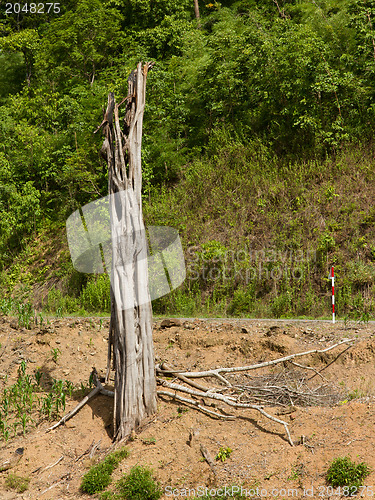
(17,483)
(98,478)
(139,485)
(344,472)
(300,233)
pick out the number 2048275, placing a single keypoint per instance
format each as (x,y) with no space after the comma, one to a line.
(32,8)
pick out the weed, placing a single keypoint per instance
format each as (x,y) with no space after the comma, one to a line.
(150,440)
(83,388)
(223,454)
(17,483)
(182,410)
(355,394)
(296,473)
(139,485)
(99,476)
(69,387)
(38,376)
(344,472)
(109,495)
(55,353)
(25,314)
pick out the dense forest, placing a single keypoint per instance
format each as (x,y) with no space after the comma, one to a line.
(257,146)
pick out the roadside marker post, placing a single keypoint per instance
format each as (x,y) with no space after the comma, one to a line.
(332,277)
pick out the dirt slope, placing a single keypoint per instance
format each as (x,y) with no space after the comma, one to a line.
(261,458)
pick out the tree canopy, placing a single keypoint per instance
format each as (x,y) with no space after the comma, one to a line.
(297,76)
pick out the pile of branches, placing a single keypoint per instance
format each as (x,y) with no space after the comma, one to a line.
(285,388)
(269,390)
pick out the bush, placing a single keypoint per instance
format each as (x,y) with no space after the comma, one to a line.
(96,295)
(344,472)
(139,485)
(99,476)
(281,305)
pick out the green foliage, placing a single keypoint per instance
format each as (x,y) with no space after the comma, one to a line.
(22,401)
(99,476)
(344,472)
(96,295)
(17,483)
(55,353)
(281,305)
(223,454)
(257,128)
(242,302)
(139,485)
(89,34)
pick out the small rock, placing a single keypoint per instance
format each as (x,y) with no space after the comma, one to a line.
(168,323)
(12,461)
(245,330)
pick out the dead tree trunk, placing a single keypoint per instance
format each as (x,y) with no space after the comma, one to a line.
(196,10)
(130,336)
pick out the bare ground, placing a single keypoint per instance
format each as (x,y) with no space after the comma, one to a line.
(340,422)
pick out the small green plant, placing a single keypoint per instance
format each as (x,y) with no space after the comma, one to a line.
(83,388)
(99,476)
(55,353)
(17,483)
(296,473)
(355,394)
(223,454)
(25,313)
(41,319)
(181,410)
(139,485)
(150,440)
(344,472)
(38,376)
(47,406)
(109,495)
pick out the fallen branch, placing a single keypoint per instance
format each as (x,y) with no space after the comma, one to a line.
(229,400)
(63,478)
(309,368)
(54,463)
(196,405)
(207,456)
(75,410)
(94,448)
(217,371)
(98,389)
(87,451)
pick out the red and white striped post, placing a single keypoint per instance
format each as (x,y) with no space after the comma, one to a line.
(332,277)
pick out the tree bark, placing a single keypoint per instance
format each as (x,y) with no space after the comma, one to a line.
(196,11)
(130,334)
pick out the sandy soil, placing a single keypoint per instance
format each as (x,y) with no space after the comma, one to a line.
(339,422)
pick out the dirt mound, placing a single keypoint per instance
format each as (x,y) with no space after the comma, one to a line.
(262,458)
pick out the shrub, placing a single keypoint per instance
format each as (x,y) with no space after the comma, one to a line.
(139,485)
(344,472)
(96,295)
(99,476)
